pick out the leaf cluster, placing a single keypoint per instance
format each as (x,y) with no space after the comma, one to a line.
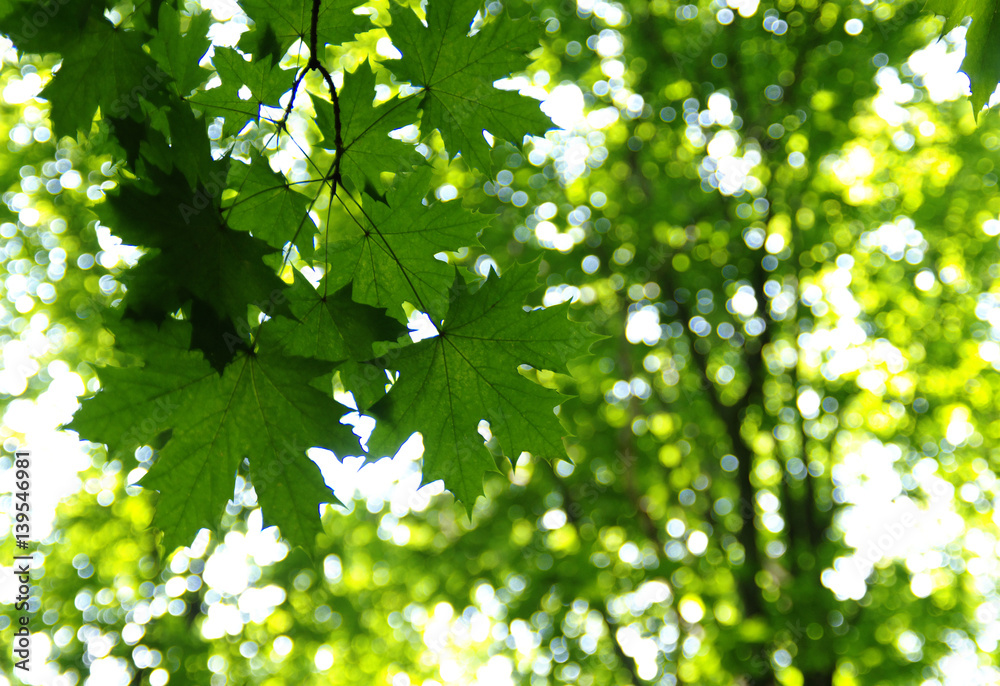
(264,287)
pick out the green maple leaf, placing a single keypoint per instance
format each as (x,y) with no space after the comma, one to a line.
(262,408)
(223,269)
(469,372)
(267,207)
(329,327)
(196,255)
(368,149)
(982,59)
(141,406)
(59,30)
(457,72)
(103,67)
(180,54)
(388,250)
(267,83)
(279,24)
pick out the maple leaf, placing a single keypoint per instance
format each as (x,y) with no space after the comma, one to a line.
(982,60)
(195,256)
(470,372)
(387,250)
(142,405)
(279,24)
(263,408)
(368,149)
(60,29)
(267,207)
(179,54)
(457,72)
(266,83)
(106,68)
(329,327)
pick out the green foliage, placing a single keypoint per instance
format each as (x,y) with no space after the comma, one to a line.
(211,216)
(330,327)
(387,255)
(279,24)
(195,255)
(471,370)
(778,231)
(265,81)
(368,150)
(179,52)
(208,418)
(457,71)
(267,206)
(101,68)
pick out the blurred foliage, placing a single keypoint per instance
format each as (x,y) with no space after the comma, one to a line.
(784,220)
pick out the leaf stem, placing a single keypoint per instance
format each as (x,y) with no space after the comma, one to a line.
(337,139)
(315,63)
(313,35)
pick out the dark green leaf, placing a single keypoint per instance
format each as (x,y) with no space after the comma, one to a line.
(267,207)
(197,256)
(368,149)
(179,54)
(470,372)
(388,249)
(267,83)
(287,22)
(457,72)
(103,67)
(329,326)
(262,408)
(196,470)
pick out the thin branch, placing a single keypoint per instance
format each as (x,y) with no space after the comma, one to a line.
(337,139)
